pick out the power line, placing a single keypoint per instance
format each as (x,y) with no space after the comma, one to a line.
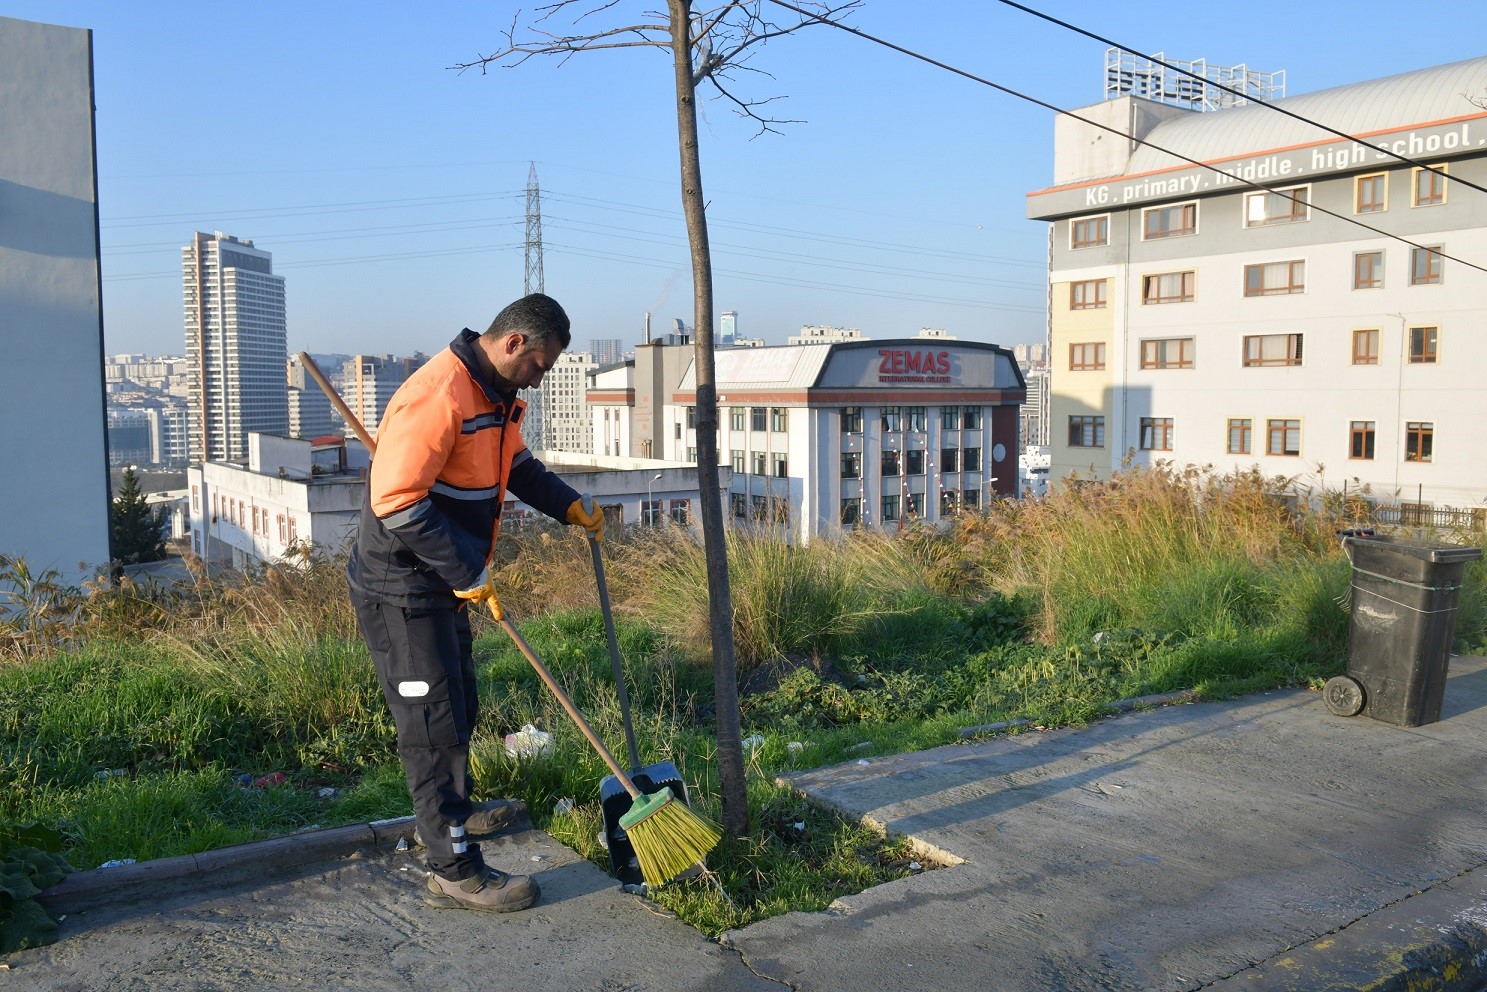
(1116,131)
(1239,93)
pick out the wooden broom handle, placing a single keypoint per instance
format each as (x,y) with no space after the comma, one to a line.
(573,712)
(336,401)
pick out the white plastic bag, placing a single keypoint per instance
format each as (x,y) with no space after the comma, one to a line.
(528,742)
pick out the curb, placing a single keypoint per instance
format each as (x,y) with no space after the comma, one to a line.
(95,887)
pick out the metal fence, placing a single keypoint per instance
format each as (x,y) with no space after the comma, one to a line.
(1401,514)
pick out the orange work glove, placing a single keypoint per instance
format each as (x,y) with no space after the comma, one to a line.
(590,520)
(482,591)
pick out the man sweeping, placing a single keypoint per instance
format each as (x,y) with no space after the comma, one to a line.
(449,448)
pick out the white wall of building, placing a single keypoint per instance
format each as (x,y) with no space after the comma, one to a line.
(50,302)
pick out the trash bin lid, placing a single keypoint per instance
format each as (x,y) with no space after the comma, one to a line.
(1431,551)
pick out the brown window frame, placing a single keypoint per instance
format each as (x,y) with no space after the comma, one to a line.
(1361,437)
(1153,357)
(1156,433)
(1419,440)
(1076,229)
(1080,360)
(1368,270)
(1081,297)
(1082,426)
(1187,219)
(1295,351)
(1368,353)
(1246,428)
(1279,429)
(1425,349)
(1435,195)
(1290,286)
(1434,272)
(1371,206)
(1151,287)
(1296,200)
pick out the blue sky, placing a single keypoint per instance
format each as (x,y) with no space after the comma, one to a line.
(391,189)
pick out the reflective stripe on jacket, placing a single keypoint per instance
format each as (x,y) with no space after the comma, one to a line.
(448,448)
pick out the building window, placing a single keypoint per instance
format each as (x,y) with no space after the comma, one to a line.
(1262,350)
(692,455)
(1360,439)
(1167,287)
(650,512)
(691,418)
(851,465)
(851,420)
(736,459)
(890,508)
(970,498)
(1087,295)
(973,418)
(1241,436)
(914,505)
(757,457)
(1424,345)
(195,499)
(293,530)
(1366,346)
(1156,433)
(678,428)
(740,504)
(1284,206)
(283,529)
(735,417)
(1368,270)
(779,419)
(1084,432)
(1369,194)
(970,458)
(756,417)
(916,418)
(950,418)
(1088,356)
(1430,186)
(890,463)
(1089,232)
(914,462)
(1283,437)
(1427,266)
(1169,222)
(1419,441)
(949,459)
(890,418)
(681,511)
(949,502)
(1167,353)
(851,511)
(1275,278)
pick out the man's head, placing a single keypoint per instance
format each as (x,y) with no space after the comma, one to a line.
(526,338)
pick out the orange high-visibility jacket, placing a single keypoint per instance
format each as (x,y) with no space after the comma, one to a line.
(448,449)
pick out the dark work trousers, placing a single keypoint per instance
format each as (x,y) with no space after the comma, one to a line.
(427,671)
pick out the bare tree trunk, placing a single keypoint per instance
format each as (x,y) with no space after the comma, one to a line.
(720,602)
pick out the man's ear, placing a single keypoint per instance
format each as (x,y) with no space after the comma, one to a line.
(513,343)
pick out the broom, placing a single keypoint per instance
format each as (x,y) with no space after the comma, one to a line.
(667,836)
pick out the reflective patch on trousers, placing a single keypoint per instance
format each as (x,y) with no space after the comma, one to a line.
(413,689)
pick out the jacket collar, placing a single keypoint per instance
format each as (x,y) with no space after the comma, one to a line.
(463,347)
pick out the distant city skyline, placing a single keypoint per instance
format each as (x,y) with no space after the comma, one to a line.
(393,201)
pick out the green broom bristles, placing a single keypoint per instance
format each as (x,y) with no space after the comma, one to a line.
(668,838)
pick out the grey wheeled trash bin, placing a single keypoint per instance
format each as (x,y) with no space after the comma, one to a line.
(1403,618)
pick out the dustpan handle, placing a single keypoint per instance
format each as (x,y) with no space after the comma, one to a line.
(614,646)
(572,710)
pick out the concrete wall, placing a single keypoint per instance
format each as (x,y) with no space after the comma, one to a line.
(51,318)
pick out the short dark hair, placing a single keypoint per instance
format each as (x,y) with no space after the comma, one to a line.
(537,316)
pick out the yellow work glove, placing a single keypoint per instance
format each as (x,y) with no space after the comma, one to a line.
(481,589)
(591,520)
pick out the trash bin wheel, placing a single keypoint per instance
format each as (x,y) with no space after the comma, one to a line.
(1344,695)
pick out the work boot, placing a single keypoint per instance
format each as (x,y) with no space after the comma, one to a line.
(488,891)
(488,818)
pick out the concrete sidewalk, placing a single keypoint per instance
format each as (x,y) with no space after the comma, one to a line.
(1257,844)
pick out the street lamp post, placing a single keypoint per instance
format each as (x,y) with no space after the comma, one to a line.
(650,482)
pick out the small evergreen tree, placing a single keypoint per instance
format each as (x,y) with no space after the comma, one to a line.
(136,533)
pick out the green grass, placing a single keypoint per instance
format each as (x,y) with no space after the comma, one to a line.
(874,644)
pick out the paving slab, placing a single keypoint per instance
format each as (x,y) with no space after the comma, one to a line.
(1168,849)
